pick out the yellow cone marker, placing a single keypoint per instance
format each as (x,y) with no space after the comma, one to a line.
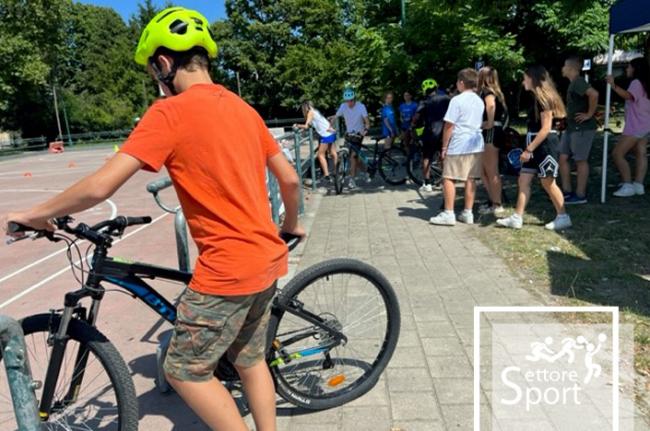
(116,148)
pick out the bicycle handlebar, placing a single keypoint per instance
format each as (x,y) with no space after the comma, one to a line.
(100,233)
(290,239)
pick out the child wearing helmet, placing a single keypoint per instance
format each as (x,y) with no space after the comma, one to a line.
(430,114)
(355,115)
(225,309)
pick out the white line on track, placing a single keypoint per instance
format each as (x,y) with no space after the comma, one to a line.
(67,268)
(41,260)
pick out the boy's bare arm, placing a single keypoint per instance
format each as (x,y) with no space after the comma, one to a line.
(592,94)
(86,193)
(289,190)
(446,137)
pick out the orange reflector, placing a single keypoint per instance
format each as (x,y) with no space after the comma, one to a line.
(336,380)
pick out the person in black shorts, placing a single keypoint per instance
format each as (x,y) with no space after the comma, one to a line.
(538,159)
(495,119)
(430,114)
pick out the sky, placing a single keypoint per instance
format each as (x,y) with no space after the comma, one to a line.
(212,9)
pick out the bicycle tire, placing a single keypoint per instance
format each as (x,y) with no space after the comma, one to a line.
(390,160)
(109,358)
(301,282)
(414,167)
(339,172)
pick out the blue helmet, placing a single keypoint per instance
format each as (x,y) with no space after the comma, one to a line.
(348,94)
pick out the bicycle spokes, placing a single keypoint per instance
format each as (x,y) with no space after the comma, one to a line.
(309,358)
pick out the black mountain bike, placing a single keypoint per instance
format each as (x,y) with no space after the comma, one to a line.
(414,164)
(390,163)
(333,329)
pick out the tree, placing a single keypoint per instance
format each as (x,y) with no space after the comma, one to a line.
(101,84)
(31,40)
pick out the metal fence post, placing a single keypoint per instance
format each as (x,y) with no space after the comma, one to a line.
(296,144)
(312,159)
(19,376)
(182,245)
(275,201)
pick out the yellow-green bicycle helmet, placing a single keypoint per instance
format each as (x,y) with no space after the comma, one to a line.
(429,84)
(177,29)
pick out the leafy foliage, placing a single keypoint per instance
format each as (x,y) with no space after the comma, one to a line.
(280,52)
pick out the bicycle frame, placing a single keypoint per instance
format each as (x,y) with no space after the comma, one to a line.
(130,276)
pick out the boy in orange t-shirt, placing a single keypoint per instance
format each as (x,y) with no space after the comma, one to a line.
(216,149)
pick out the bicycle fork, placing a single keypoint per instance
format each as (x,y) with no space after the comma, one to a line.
(59,341)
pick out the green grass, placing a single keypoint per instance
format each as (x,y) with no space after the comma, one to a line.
(603,260)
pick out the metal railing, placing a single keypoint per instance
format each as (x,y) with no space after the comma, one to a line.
(19,376)
(180,224)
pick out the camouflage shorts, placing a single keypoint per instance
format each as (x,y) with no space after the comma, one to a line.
(207,327)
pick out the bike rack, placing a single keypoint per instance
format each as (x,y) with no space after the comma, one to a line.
(180,225)
(19,375)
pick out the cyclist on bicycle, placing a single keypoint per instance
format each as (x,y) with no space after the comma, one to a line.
(356,123)
(407,112)
(430,114)
(222,190)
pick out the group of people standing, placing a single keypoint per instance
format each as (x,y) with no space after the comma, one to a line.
(466,125)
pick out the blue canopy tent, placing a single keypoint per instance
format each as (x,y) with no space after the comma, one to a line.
(626,16)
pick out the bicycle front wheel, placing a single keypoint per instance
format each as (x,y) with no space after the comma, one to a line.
(350,297)
(98,395)
(392,166)
(341,169)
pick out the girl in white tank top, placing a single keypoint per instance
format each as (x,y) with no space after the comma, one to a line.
(313,118)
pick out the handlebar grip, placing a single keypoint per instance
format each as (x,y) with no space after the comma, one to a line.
(290,239)
(159,184)
(131,221)
(13,227)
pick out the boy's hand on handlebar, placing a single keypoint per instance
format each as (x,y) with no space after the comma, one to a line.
(25,219)
(297,231)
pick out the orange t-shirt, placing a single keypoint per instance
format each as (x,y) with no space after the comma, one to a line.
(215,147)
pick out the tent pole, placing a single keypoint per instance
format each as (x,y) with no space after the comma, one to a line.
(608,102)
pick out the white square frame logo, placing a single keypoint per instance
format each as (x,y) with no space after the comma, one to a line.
(614,311)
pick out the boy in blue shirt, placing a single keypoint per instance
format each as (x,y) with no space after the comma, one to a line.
(406,112)
(388,122)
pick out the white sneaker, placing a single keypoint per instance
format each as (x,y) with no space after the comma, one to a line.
(426,188)
(444,219)
(561,222)
(466,217)
(351,184)
(513,222)
(625,191)
(366,177)
(487,210)
(639,189)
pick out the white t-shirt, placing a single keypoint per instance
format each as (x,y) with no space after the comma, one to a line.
(465,112)
(321,125)
(353,117)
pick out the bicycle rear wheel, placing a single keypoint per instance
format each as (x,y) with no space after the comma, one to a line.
(392,166)
(105,397)
(350,297)
(415,169)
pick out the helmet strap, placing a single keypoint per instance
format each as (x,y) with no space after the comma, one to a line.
(166,79)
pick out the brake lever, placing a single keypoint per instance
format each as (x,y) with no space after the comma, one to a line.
(33,236)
